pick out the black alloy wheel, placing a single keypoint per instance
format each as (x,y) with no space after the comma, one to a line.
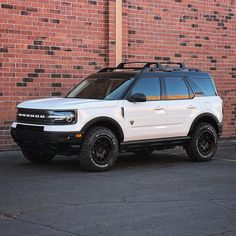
(203,143)
(99,149)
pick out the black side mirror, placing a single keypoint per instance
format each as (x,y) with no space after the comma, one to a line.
(137,97)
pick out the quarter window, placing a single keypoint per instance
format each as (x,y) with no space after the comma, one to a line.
(176,88)
(202,86)
(150,87)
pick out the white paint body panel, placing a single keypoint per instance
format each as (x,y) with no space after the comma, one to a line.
(180,115)
(148,118)
(144,120)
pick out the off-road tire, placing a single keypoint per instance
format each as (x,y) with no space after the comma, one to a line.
(194,148)
(37,156)
(99,143)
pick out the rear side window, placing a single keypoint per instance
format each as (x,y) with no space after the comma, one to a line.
(202,86)
(150,87)
(176,88)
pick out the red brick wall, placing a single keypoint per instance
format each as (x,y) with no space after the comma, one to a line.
(201,33)
(47,46)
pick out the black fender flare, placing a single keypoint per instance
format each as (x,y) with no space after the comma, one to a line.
(205,116)
(105,120)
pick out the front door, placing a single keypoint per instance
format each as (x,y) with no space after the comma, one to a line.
(146,120)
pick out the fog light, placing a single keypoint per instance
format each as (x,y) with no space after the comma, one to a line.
(78,135)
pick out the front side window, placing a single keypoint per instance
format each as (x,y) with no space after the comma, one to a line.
(101,88)
(176,88)
(150,87)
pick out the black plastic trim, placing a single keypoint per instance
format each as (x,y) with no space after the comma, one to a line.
(161,143)
(56,141)
(108,121)
(206,116)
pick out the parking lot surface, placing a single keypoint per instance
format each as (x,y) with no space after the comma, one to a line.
(164,194)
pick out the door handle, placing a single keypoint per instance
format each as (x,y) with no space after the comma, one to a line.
(158,108)
(191,107)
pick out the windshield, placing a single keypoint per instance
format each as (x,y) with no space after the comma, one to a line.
(101,88)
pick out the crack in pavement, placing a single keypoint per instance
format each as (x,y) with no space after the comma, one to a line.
(7,215)
(140,201)
(221,233)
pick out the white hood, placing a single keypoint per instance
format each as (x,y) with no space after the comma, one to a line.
(65,103)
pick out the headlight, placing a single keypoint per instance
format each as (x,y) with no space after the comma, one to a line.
(62,117)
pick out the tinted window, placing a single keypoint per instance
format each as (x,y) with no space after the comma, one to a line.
(202,86)
(149,87)
(176,88)
(101,88)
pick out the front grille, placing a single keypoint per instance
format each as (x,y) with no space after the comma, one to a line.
(30,127)
(33,116)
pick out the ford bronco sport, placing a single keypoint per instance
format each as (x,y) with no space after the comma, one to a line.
(127,108)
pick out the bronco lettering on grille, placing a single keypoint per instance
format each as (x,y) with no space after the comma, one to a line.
(32,116)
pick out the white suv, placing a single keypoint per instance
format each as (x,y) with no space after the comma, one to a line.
(138,109)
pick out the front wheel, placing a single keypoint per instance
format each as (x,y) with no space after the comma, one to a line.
(37,156)
(203,143)
(99,149)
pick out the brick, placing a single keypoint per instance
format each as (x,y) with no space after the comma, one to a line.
(55,48)
(28,80)
(93,2)
(24,13)
(37,42)
(78,67)
(55,75)
(33,75)
(7,6)
(39,70)
(3,49)
(157,18)
(57,94)
(56,84)
(178,55)
(51,47)
(21,84)
(92,63)
(56,21)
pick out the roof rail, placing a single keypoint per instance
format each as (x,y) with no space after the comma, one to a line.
(121,66)
(152,66)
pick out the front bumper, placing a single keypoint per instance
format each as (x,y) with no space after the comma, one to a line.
(57,142)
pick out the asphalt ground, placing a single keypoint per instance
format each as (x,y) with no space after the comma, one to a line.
(164,194)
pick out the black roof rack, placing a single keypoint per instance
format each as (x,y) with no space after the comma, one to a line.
(165,66)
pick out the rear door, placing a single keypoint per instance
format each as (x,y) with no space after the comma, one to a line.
(181,106)
(146,120)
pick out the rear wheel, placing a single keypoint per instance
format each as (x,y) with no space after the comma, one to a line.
(37,156)
(203,143)
(99,149)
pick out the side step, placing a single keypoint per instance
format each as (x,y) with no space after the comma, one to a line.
(155,144)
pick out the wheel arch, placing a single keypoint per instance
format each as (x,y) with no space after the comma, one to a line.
(108,122)
(208,118)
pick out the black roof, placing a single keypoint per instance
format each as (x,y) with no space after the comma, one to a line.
(160,68)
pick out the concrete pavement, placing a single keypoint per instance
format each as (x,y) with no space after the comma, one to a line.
(164,194)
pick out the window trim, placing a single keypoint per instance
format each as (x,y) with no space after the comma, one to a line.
(190,92)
